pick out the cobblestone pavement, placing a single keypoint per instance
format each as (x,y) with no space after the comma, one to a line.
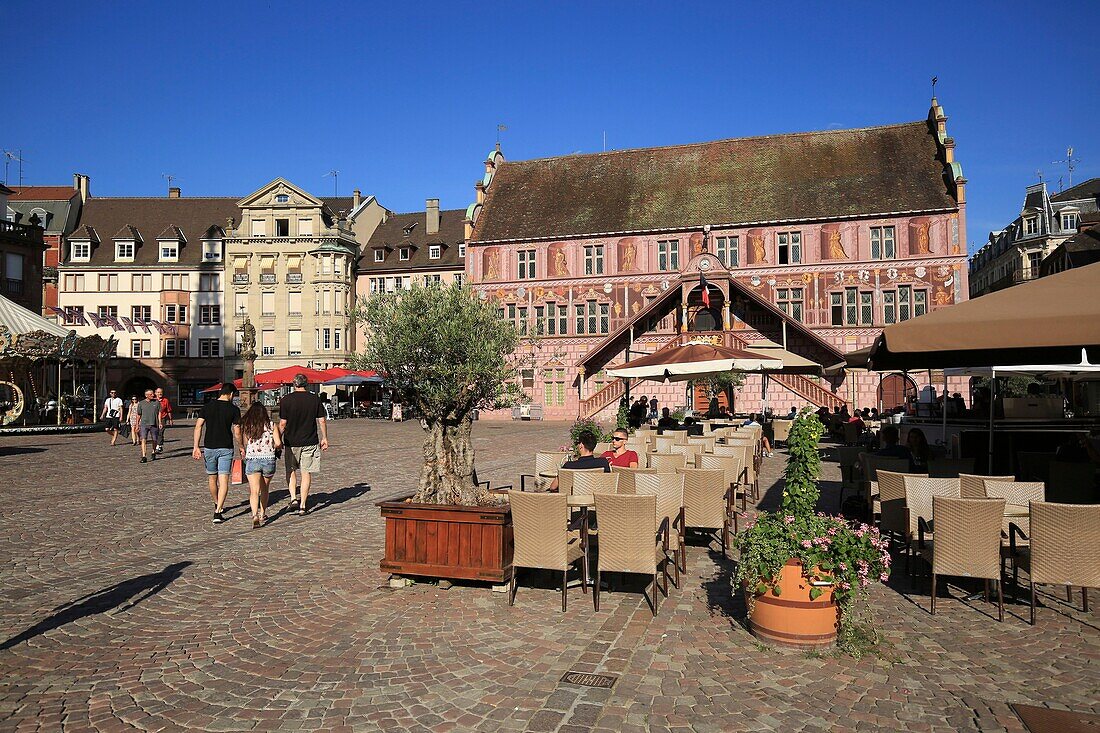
(124,608)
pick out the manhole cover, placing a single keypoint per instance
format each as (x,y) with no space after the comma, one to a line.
(1045,720)
(586,679)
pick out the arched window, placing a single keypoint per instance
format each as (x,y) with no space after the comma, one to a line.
(282,198)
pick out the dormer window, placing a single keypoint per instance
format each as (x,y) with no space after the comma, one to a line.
(282,198)
(379,255)
(211,250)
(81,251)
(169,251)
(403,254)
(462,250)
(124,251)
(1069,221)
(434,251)
(1031,225)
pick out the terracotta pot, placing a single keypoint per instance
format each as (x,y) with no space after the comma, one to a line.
(791,619)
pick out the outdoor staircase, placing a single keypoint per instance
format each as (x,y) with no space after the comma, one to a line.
(809,390)
(612,392)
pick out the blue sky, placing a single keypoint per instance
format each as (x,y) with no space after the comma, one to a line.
(404,101)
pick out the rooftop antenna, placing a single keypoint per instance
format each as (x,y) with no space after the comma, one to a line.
(335,181)
(1070,162)
(9,156)
(500,128)
(1039,173)
(169,177)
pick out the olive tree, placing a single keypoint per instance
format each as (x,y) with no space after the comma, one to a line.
(448,354)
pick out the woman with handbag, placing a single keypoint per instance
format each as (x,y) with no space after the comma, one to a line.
(262,444)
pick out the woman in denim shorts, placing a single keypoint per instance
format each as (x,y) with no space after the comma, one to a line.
(262,444)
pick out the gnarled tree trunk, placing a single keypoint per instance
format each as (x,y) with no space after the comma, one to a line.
(447,476)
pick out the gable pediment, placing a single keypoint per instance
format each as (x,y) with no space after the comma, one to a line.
(271,197)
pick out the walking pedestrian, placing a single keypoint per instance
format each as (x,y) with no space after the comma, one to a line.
(653,404)
(221,418)
(149,425)
(165,417)
(261,446)
(133,417)
(112,413)
(301,418)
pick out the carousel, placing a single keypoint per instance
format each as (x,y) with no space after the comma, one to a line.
(49,376)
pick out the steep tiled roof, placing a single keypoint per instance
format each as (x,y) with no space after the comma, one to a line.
(150,217)
(799,176)
(392,234)
(43,193)
(1089,189)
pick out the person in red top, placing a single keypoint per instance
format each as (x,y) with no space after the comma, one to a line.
(619,455)
(165,417)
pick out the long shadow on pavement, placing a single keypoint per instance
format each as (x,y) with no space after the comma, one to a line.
(101,601)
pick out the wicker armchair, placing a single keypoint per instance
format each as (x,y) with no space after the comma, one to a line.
(851,433)
(950,467)
(919,491)
(708,502)
(848,458)
(627,477)
(870,465)
(1065,549)
(781,430)
(667,462)
(748,452)
(967,541)
(669,490)
(737,477)
(631,540)
(1016,492)
(545,539)
(893,521)
(972,486)
(1072,483)
(595,482)
(547,463)
(706,441)
(601,448)
(566,476)
(689,451)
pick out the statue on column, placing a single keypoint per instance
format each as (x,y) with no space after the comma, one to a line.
(248,340)
(248,353)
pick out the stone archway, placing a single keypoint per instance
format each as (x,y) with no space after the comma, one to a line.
(136,386)
(895,390)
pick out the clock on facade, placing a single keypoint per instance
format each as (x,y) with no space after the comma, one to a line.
(704,264)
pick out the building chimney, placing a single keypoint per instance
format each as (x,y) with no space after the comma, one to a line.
(432,216)
(356,198)
(174,192)
(81,184)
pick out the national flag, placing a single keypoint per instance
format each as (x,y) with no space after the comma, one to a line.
(706,290)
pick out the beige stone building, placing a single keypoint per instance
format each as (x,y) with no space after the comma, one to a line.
(290,268)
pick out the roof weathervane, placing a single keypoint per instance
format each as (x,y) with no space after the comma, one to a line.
(934,80)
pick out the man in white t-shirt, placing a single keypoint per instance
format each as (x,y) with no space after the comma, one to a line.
(112,413)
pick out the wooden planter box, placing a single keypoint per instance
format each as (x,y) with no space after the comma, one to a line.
(791,619)
(446,541)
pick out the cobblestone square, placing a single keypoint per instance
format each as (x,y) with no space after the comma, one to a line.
(124,608)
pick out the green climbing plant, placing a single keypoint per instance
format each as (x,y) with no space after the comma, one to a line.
(801,491)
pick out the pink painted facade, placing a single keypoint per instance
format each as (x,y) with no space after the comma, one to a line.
(839,281)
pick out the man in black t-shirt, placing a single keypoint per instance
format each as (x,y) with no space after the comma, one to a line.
(222,420)
(586,443)
(301,418)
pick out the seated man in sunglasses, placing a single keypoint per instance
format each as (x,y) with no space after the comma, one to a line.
(619,455)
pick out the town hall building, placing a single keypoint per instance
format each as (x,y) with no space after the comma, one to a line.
(808,243)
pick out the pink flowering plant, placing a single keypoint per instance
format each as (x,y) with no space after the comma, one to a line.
(833,552)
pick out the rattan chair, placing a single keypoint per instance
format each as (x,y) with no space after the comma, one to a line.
(851,433)
(547,464)
(950,467)
(972,486)
(736,483)
(967,542)
(566,475)
(870,465)
(781,430)
(1065,549)
(746,451)
(689,451)
(919,491)
(595,482)
(891,498)
(1016,492)
(631,540)
(601,448)
(707,442)
(627,477)
(667,462)
(545,539)
(669,490)
(708,502)
(1072,483)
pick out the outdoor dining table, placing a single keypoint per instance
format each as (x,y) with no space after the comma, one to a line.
(1017,510)
(581,500)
